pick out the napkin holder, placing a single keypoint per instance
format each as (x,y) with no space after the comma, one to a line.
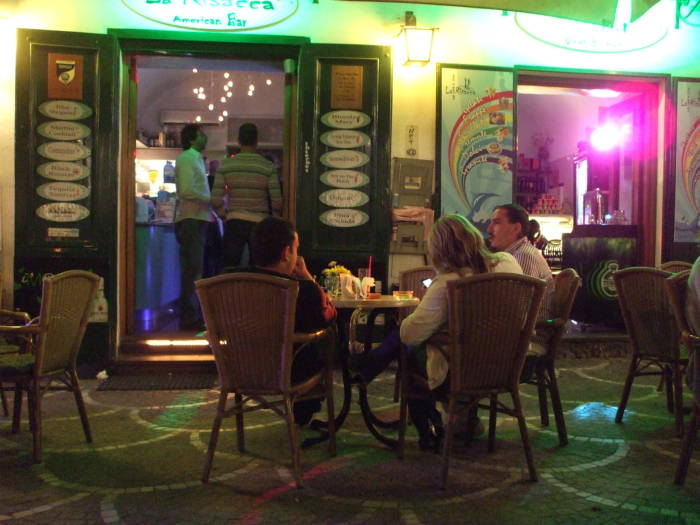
(350,286)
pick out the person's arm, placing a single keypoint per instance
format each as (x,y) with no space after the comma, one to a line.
(315,309)
(186,168)
(275,193)
(429,316)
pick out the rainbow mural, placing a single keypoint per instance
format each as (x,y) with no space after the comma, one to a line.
(476,143)
(687,213)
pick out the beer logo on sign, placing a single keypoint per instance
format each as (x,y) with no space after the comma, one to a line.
(65,71)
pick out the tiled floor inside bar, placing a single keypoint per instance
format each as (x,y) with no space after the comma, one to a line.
(146,461)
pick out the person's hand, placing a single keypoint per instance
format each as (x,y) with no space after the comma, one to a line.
(300,271)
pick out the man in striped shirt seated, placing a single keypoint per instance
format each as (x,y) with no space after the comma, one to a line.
(246,190)
(511,230)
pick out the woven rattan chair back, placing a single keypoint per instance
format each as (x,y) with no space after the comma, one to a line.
(677,290)
(66,303)
(566,285)
(491,319)
(413,279)
(647,312)
(250,322)
(676,266)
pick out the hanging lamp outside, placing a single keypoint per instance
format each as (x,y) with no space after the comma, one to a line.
(418,41)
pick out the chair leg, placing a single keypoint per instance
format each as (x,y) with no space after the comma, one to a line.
(542,394)
(667,373)
(626,389)
(403,418)
(524,435)
(448,442)
(556,405)
(678,398)
(688,444)
(220,409)
(34,399)
(492,422)
(293,442)
(75,386)
(17,410)
(330,408)
(240,428)
(397,382)
(5,407)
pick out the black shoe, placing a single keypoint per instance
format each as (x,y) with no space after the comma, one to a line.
(305,410)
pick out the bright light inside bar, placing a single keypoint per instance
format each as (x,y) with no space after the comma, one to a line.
(194,70)
(607,136)
(224,113)
(268,82)
(211,107)
(223,99)
(226,75)
(198,118)
(229,94)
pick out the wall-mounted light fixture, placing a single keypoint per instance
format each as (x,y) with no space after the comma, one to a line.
(418,41)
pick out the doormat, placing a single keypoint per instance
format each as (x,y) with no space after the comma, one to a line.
(159,382)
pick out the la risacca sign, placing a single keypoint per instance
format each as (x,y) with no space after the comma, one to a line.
(215,15)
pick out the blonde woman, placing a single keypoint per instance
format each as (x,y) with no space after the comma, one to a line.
(456,249)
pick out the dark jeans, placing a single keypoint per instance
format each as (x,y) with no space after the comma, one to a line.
(236,236)
(422,411)
(190,235)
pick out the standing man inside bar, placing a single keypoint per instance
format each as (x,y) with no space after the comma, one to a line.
(191,220)
(246,190)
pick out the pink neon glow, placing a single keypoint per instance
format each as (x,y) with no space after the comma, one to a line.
(607,136)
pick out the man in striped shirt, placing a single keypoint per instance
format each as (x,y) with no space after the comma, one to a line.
(510,231)
(246,190)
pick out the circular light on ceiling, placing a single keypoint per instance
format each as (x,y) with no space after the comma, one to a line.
(194,70)
(226,75)
(211,107)
(198,118)
(268,82)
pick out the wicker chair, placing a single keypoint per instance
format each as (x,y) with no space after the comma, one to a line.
(55,338)
(549,334)
(652,330)
(677,288)
(253,344)
(676,266)
(488,340)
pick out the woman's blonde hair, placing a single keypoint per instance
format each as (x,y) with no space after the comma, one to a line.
(456,243)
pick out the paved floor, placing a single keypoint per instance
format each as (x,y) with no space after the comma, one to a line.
(146,462)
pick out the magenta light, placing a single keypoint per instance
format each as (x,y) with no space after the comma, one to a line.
(606,137)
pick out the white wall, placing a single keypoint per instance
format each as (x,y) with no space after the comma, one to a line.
(466,36)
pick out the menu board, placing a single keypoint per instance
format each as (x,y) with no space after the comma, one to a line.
(475,134)
(344,151)
(62,148)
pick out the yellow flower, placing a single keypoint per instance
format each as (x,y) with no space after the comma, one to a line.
(335,270)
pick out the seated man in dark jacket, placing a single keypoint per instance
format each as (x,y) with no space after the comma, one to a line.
(274,246)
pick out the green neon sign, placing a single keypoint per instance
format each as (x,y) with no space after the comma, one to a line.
(588,38)
(215,15)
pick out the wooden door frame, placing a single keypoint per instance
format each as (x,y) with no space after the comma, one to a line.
(133,42)
(657,93)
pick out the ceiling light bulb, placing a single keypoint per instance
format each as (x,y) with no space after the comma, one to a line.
(195,91)
(226,75)
(194,70)
(201,96)
(211,107)
(221,119)
(225,88)
(224,113)
(251,88)
(201,89)
(250,93)
(268,82)
(229,94)
(198,118)
(230,83)
(223,99)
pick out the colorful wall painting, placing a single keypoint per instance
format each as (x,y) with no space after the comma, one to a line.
(475,140)
(687,213)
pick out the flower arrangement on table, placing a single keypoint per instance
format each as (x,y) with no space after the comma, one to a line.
(331,277)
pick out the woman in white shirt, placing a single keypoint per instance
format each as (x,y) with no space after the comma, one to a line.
(456,249)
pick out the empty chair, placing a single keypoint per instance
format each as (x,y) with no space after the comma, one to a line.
(677,288)
(55,338)
(676,266)
(488,339)
(250,328)
(653,334)
(548,334)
